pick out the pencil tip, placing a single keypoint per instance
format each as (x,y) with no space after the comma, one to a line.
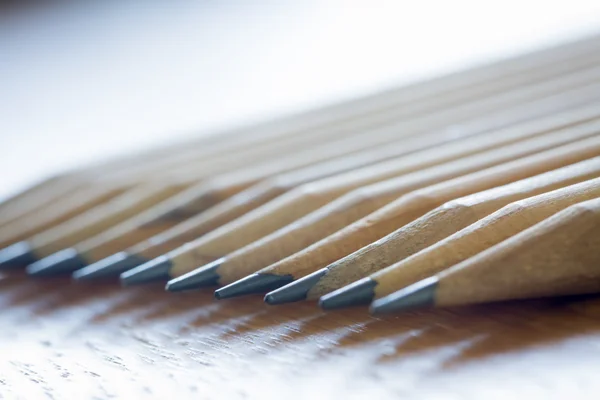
(295,291)
(255,283)
(418,295)
(61,262)
(110,266)
(16,255)
(204,276)
(152,271)
(358,293)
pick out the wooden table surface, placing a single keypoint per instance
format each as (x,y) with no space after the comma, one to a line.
(69,340)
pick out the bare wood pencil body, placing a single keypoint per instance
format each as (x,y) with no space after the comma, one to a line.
(30,231)
(87,179)
(389,218)
(568,73)
(397,214)
(185,203)
(213,164)
(147,224)
(30,199)
(567,81)
(556,257)
(352,207)
(97,248)
(478,91)
(413,126)
(433,87)
(325,117)
(205,195)
(155,220)
(437,225)
(480,236)
(68,206)
(95,220)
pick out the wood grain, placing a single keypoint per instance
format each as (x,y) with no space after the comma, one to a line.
(99,341)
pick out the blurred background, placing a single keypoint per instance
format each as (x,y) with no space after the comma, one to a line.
(82,81)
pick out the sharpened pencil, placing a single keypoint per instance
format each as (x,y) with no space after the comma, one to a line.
(373,227)
(157,201)
(365,200)
(23,202)
(561,76)
(232,184)
(97,249)
(468,83)
(556,257)
(427,230)
(185,205)
(490,230)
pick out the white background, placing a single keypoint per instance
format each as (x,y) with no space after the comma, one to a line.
(85,80)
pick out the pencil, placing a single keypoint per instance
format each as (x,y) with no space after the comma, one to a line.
(109,242)
(452,97)
(199,198)
(574,75)
(425,231)
(360,203)
(490,230)
(519,65)
(229,186)
(214,163)
(105,249)
(53,191)
(30,198)
(407,208)
(356,107)
(171,212)
(578,70)
(556,257)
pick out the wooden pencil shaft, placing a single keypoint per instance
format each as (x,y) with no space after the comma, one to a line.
(202,203)
(98,219)
(391,217)
(154,230)
(446,82)
(225,212)
(555,257)
(472,127)
(481,235)
(567,76)
(67,181)
(442,222)
(40,197)
(189,206)
(151,225)
(342,110)
(324,117)
(542,57)
(309,197)
(483,80)
(23,201)
(147,224)
(57,213)
(61,184)
(229,163)
(342,212)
